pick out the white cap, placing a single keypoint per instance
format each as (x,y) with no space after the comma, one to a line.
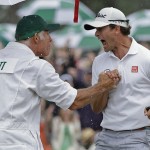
(108,16)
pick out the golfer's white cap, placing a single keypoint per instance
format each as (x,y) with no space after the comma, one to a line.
(106,16)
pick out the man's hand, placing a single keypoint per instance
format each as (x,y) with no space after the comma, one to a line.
(147,112)
(93,94)
(109,79)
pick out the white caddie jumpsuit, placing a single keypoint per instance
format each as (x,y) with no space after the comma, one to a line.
(24,78)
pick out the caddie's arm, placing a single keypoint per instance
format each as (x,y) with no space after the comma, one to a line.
(99,102)
(86,95)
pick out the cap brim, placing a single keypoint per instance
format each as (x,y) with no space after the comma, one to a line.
(53,27)
(95,24)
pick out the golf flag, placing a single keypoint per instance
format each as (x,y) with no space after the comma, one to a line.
(10,2)
(76,11)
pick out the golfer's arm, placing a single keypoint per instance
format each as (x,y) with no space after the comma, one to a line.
(99,102)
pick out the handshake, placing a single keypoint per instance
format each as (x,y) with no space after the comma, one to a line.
(109,79)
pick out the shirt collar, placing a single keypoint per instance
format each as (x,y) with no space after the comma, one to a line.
(133,48)
(19,47)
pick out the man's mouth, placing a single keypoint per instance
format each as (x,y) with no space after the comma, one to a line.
(103,42)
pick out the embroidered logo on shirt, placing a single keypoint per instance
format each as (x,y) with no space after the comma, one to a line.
(134,69)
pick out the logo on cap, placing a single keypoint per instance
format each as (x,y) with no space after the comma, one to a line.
(101,15)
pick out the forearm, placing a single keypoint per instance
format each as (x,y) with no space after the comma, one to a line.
(85,96)
(99,102)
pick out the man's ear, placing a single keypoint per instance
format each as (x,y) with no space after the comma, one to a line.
(36,38)
(117,29)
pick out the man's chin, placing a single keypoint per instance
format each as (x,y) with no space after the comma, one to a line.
(106,50)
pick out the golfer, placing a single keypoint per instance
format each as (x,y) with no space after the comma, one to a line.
(125,127)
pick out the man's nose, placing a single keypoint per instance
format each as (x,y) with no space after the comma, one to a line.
(97,33)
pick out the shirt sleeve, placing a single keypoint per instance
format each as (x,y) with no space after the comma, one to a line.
(52,88)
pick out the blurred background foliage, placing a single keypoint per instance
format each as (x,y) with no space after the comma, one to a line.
(140,26)
(127,6)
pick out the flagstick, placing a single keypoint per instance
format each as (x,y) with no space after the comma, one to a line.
(76,9)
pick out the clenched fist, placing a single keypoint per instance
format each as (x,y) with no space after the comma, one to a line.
(109,79)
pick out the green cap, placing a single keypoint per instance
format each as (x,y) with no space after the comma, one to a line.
(29,25)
